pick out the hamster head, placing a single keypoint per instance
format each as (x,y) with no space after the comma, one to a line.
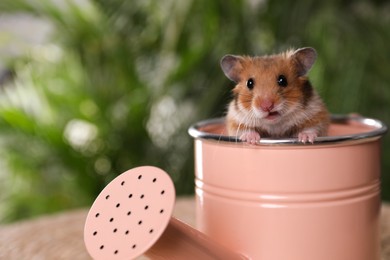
(270,88)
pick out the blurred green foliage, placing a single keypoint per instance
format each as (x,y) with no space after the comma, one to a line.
(121,81)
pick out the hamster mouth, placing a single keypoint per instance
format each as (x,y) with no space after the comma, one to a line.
(272,115)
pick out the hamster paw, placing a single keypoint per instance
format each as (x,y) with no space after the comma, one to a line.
(307,136)
(250,137)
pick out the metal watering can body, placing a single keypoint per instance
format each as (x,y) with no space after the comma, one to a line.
(284,200)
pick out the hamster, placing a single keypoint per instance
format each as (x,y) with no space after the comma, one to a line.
(274,98)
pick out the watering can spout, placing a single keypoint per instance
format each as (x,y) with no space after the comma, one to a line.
(181,241)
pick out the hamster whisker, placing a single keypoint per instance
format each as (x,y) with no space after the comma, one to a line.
(244,95)
(237,131)
(290,107)
(299,118)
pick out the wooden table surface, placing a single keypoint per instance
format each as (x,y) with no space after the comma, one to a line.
(60,236)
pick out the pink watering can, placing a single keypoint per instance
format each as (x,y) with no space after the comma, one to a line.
(273,201)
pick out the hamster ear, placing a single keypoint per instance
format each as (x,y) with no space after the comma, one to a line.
(305,58)
(232,67)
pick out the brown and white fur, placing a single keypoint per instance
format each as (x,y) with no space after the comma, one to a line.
(274,98)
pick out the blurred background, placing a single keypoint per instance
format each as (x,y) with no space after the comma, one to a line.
(89,89)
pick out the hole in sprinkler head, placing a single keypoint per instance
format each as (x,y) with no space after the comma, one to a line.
(127,232)
(151,231)
(95,233)
(111,219)
(154,180)
(161,211)
(107,197)
(140,222)
(162,192)
(134,246)
(146,207)
(101,247)
(128,213)
(116,252)
(139,177)
(97,215)
(117,205)
(142,196)
(115,230)
(123,183)
(130,195)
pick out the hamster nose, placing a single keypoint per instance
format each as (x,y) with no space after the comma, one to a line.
(267,105)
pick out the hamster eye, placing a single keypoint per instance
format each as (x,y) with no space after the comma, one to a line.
(250,83)
(282,81)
